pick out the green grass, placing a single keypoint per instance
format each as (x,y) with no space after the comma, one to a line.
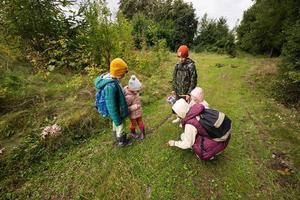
(93,168)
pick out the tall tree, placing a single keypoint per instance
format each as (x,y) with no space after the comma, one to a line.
(106,38)
(34,20)
(214,36)
(261,30)
(174,20)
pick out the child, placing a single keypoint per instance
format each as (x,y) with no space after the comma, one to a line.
(184,76)
(197,96)
(134,105)
(114,98)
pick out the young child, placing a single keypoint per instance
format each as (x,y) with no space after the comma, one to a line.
(134,105)
(197,96)
(184,76)
(114,98)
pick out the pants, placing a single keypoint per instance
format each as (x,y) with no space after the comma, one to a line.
(118,129)
(138,121)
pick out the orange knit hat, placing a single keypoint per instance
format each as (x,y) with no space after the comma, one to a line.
(183,51)
(118,67)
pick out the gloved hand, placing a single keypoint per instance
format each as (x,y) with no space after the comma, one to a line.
(171,143)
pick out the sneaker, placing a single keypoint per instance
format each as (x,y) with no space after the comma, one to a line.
(177,120)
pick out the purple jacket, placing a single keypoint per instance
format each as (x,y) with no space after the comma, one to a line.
(191,119)
(204,147)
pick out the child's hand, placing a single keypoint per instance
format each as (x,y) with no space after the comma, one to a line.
(136,106)
(171,143)
(188,98)
(173,93)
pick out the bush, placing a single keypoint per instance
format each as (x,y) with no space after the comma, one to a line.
(288,84)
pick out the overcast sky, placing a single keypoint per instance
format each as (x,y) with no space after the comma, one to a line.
(232,10)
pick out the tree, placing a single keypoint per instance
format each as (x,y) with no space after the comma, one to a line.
(290,67)
(105,38)
(172,20)
(34,20)
(261,30)
(215,36)
(130,8)
(185,24)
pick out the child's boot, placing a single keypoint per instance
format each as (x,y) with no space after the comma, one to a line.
(123,141)
(142,136)
(133,134)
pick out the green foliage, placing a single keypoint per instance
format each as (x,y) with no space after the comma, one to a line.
(85,156)
(214,36)
(288,85)
(61,53)
(34,20)
(272,27)
(144,31)
(174,20)
(264,25)
(93,72)
(106,39)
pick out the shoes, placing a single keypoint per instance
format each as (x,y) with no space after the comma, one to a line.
(177,120)
(123,141)
(142,136)
(134,135)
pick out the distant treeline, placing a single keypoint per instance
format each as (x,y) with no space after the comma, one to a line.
(52,36)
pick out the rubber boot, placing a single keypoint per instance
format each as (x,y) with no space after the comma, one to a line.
(142,136)
(133,134)
(123,141)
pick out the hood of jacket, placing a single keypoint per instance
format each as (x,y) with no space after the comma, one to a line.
(102,80)
(193,112)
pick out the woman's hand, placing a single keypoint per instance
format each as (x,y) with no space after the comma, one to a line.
(171,143)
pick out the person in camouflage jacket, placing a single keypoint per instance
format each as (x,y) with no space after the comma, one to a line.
(184,75)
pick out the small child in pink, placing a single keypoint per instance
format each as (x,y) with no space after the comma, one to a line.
(135,106)
(197,96)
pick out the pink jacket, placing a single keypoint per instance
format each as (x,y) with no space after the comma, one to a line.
(134,103)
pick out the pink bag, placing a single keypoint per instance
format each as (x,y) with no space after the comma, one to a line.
(206,148)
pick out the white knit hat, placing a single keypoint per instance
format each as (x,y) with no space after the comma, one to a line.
(181,107)
(134,83)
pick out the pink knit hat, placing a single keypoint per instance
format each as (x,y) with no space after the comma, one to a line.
(198,94)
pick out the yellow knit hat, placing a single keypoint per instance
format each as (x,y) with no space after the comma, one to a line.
(118,67)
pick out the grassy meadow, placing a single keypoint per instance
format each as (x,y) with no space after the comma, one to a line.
(262,160)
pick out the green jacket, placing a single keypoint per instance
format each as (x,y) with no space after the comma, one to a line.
(114,98)
(184,77)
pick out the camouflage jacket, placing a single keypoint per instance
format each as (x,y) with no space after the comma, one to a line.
(184,77)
